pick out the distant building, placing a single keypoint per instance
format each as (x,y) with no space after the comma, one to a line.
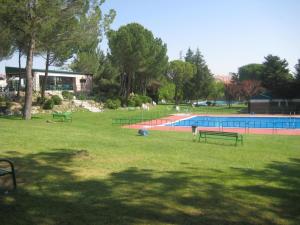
(3,83)
(57,81)
(265,104)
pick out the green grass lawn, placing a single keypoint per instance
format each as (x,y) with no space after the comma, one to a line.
(89,172)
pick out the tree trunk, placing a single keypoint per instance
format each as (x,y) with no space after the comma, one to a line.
(28,94)
(19,82)
(45,77)
(129,85)
(176,96)
(248,105)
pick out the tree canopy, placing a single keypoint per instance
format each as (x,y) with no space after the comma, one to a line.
(276,76)
(139,56)
(199,85)
(179,72)
(251,72)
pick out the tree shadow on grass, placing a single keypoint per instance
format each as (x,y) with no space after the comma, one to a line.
(279,182)
(50,192)
(19,117)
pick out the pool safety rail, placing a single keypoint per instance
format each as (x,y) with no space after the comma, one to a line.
(246,126)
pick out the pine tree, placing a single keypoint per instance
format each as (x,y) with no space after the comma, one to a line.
(297,68)
(276,76)
(199,85)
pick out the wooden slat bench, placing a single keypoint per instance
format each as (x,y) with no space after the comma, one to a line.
(221,135)
(11,171)
(62,116)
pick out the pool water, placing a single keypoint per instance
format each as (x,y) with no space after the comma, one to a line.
(240,122)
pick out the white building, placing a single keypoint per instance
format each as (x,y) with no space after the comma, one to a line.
(57,81)
(3,83)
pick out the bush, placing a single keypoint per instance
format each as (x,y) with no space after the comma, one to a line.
(138,100)
(40,100)
(113,103)
(130,102)
(48,104)
(8,104)
(81,96)
(145,99)
(2,99)
(56,100)
(67,95)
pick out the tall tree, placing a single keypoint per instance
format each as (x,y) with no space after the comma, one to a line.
(73,32)
(250,88)
(250,72)
(217,90)
(138,55)
(199,85)
(297,68)
(276,76)
(106,80)
(6,40)
(156,66)
(231,92)
(179,72)
(27,19)
(92,27)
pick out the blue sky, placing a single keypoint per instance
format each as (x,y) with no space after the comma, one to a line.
(229,33)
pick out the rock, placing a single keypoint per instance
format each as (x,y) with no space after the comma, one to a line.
(91,106)
(143,132)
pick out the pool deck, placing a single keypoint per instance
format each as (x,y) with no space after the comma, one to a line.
(160,124)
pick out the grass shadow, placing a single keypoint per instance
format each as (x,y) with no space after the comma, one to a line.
(51,192)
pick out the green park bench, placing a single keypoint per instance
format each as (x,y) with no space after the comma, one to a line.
(8,171)
(62,116)
(204,134)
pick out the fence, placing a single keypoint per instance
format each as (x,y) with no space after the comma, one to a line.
(219,125)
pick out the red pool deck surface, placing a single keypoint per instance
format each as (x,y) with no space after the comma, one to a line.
(159,124)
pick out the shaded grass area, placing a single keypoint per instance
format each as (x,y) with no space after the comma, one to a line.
(89,172)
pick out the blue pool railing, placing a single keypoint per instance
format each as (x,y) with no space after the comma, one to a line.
(221,125)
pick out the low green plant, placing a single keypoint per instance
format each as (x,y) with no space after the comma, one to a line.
(56,100)
(48,104)
(8,104)
(113,103)
(81,96)
(145,99)
(40,100)
(67,95)
(138,100)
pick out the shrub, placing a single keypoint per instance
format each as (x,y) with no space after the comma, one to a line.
(48,104)
(2,99)
(113,103)
(40,100)
(145,99)
(138,100)
(56,100)
(131,102)
(67,95)
(8,104)
(81,96)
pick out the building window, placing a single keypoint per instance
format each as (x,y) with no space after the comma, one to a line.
(58,83)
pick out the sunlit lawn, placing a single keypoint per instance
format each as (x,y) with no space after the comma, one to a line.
(90,172)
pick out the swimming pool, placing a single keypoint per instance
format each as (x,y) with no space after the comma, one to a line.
(240,122)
